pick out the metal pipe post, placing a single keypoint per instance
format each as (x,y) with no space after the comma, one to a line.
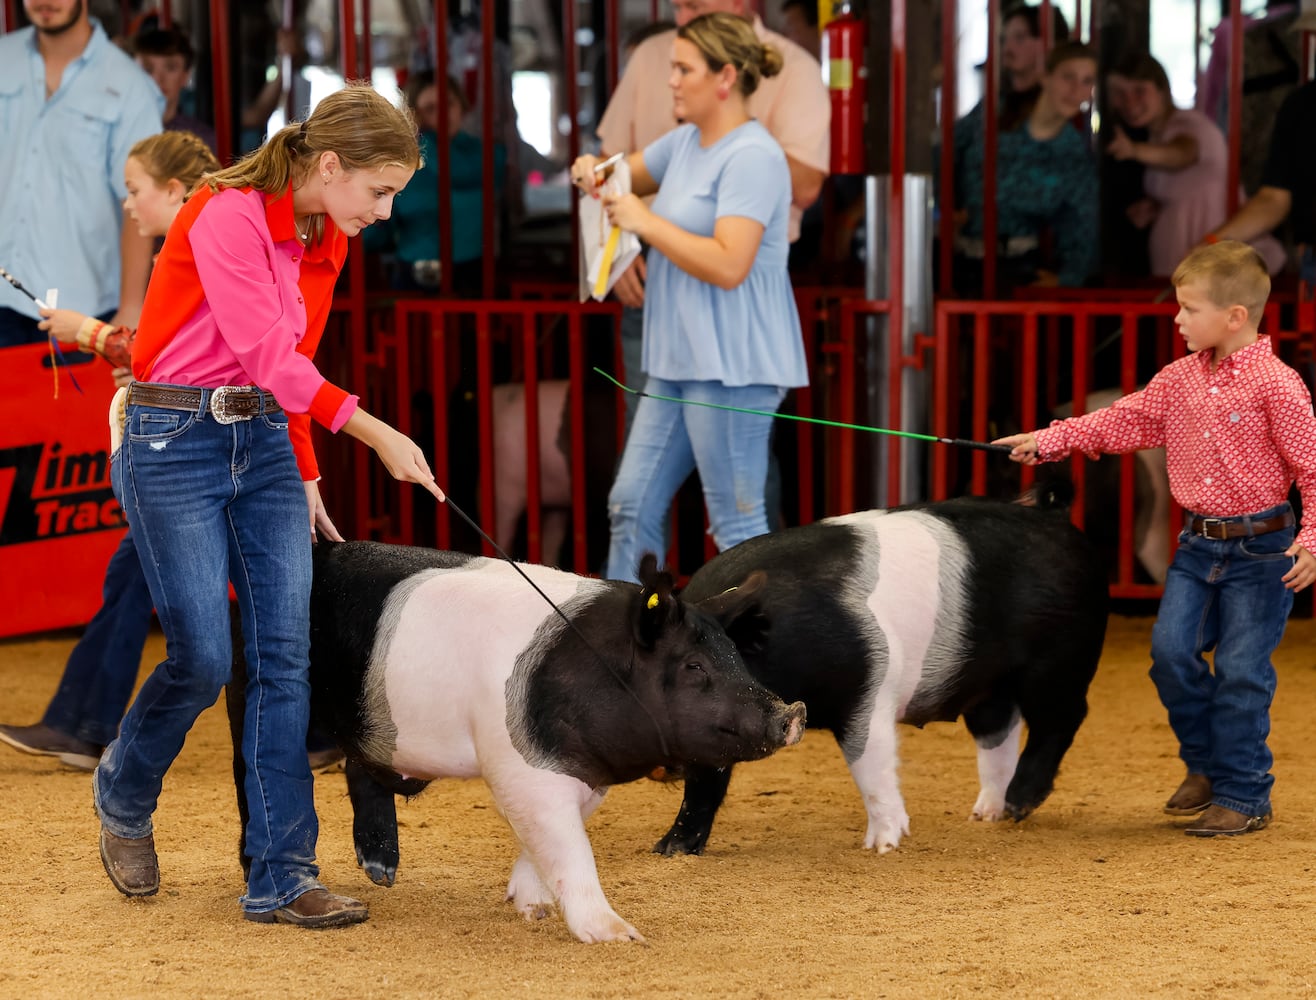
(222,79)
(487,15)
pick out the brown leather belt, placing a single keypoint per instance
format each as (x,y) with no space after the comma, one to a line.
(227,404)
(1239,527)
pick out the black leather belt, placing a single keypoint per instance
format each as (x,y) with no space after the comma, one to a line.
(227,404)
(1221,528)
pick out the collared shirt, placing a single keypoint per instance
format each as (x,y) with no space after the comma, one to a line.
(1236,437)
(793,105)
(236,300)
(61,169)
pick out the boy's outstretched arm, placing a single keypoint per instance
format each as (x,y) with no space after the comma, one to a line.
(1303,572)
(1024,447)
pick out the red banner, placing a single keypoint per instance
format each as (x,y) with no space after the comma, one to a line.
(59,521)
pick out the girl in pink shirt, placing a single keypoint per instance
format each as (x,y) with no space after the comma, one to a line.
(208,475)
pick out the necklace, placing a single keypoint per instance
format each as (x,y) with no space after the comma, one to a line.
(303,236)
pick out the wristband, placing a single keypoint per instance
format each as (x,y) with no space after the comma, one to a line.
(87,332)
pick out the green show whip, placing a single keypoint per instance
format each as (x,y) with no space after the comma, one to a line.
(960,442)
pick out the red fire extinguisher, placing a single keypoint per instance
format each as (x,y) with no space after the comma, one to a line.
(843,66)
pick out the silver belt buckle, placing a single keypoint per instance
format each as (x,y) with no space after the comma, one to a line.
(219,410)
(1208,523)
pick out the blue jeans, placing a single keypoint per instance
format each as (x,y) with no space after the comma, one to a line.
(209,503)
(632,356)
(1228,596)
(667,442)
(102,669)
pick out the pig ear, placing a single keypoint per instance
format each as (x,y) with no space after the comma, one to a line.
(739,611)
(657,605)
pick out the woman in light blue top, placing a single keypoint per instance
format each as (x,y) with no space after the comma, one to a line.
(720,324)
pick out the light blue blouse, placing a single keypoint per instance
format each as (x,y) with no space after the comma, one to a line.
(693,330)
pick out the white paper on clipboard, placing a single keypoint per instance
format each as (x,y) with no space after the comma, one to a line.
(595,259)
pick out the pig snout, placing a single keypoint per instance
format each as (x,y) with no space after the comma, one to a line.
(781,726)
(790,723)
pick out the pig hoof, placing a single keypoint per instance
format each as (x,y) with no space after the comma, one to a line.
(378,873)
(1018,812)
(884,834)
(988,809)
(611,929)
(672,845)
(535,911)
(528,895)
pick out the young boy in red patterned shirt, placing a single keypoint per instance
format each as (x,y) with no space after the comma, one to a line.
(1237,427)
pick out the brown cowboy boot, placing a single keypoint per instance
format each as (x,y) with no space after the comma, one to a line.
(1218,821)
(131,863)
(315,908)
(1191,797)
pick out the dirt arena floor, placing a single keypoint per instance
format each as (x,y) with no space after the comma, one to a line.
(1096,895)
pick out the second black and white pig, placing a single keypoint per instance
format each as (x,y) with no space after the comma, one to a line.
(428,664)
(990,610)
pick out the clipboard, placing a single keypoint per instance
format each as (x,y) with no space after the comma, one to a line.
(605,251)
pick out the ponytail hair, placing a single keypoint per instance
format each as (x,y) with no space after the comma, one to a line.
(729,40)
(363,127)
(175,155)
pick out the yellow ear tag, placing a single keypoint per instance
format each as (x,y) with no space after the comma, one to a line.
(653,602)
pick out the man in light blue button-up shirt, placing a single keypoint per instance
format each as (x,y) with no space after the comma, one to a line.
(71,106)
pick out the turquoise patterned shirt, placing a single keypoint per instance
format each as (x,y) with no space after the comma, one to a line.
(1039,185)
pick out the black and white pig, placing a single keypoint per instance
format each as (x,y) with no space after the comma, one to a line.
(428,664)
(987,609)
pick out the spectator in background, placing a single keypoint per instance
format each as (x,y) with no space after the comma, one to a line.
(1187,165)
(1023,59)
(1287,190)
(799,23)
(73,106)
(1046,183)
(98,678)
(412,233)
(793,106)
(720,325)
(166,55)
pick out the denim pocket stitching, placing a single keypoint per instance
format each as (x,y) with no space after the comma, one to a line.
(137,420)
(1285,535)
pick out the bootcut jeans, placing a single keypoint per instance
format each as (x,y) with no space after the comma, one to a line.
(208,503)
(1228,596)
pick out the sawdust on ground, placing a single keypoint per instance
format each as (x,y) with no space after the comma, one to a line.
(1097,895)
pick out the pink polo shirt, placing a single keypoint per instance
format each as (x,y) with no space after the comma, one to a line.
(235,299)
